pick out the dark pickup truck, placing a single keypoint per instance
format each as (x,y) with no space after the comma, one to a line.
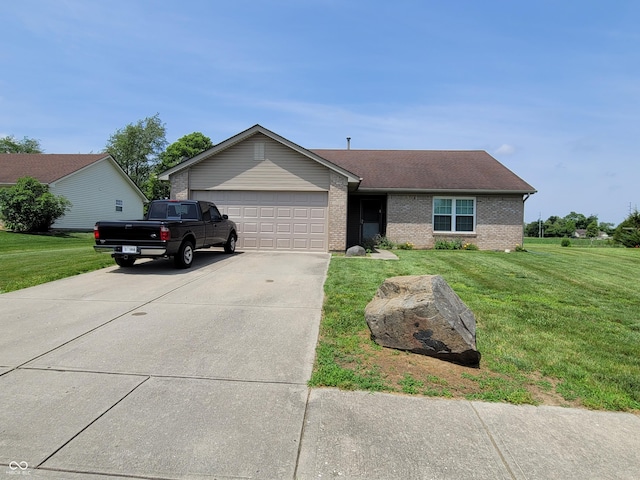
(172,228)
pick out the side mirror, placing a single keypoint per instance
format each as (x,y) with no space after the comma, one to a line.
(225,217)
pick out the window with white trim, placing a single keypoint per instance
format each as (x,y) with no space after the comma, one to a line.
(451,214)
(119,205)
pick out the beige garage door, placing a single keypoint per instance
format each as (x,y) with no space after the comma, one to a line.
(275,220)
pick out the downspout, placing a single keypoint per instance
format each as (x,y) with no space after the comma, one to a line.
(526,197)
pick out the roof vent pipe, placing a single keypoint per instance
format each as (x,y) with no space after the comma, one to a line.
(348,143)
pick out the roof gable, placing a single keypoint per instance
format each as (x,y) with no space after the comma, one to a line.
(44,167)
(428,170)
(257,129)
(48,168)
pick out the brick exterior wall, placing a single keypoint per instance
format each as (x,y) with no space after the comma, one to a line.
(337,222)
(499,221)
(409,219)
(180,185)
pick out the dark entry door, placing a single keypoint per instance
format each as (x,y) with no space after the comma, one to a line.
(370,218)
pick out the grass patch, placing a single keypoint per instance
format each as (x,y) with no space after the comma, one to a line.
(554,325)
(29,260)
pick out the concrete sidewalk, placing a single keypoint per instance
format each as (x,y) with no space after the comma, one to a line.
(160,373)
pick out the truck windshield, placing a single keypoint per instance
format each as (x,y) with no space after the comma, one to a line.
(172,211)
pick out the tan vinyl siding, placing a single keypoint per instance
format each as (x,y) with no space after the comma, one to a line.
(93,192)
(259,163)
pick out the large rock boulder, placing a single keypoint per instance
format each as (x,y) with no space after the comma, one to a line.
(422,314)
(356,251)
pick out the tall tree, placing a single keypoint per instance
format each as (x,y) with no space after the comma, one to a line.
(182,149)
(10,144)
(592,230)
(628,232)
(137,148)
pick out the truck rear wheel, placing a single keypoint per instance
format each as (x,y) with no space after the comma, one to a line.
(184,257)
(125,262)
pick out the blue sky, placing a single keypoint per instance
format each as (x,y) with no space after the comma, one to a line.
(549,88)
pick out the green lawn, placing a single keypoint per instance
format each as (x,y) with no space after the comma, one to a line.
(27,260)
(552,321)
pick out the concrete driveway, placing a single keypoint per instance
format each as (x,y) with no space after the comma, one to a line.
(164,374)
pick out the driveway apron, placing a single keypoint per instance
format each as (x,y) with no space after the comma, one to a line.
(162,373)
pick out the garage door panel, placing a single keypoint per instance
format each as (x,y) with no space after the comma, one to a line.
(248,227)
(267,227)
(284,244)
(267,212)
(275,220)
(249,212)
(234,211)
(285,212)
(300,244)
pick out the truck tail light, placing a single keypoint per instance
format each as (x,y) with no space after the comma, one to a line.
(165,233)
(96,232)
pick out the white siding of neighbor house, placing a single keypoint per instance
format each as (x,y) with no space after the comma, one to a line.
(93,192)
(259,163)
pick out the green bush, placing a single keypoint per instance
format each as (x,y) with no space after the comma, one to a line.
(448,245)
(383,242)
(369,244)
(28,206)
(565,242)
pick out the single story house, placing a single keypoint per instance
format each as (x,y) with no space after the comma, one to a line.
(96,186)
(286,197)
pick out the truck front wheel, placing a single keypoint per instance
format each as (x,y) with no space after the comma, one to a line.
(184,257)
(230,246)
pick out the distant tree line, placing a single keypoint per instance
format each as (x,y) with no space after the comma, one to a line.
(566,226)
(627,233)
(10,144)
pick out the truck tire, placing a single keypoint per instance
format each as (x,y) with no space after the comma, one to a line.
(230,246)
(184,257)
(125,262)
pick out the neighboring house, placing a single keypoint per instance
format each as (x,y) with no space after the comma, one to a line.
(286,197)
(96,186)
(582,233)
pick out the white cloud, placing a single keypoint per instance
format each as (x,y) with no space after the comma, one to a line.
(505,149)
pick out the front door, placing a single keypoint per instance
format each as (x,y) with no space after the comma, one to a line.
(370,218)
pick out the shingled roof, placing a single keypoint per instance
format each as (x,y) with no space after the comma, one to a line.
(44,167)
(428,170)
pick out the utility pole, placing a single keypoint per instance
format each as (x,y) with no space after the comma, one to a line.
(540,225)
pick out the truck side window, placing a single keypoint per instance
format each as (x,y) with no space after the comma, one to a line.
(158,211)
(191,213)
(172,212)
(206,215)
(215,214)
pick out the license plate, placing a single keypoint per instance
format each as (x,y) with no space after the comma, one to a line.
(129,249)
